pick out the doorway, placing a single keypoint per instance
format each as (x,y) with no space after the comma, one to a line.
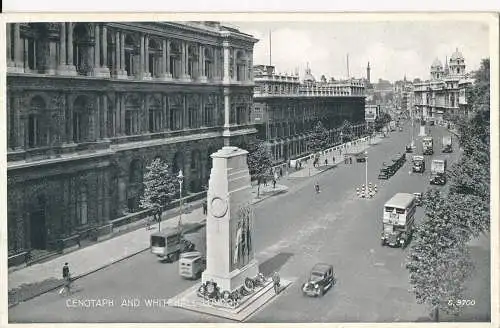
(38,231)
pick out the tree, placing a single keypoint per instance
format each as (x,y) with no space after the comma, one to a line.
(438,261)
(259,163)
(160,186)
(319,138)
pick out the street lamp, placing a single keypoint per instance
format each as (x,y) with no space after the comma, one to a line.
(366,171)
(180,179)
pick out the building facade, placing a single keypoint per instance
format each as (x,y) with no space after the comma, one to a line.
(286,109)
(444,95)
(91,104)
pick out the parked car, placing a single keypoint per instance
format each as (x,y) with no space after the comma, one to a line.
(320,280)
(418,198)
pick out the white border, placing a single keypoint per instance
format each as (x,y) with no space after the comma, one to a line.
(494,54)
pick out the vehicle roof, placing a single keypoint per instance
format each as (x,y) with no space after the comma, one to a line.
(427,138)
(165,233)
(400,200)
(191,255)
(439,159)
(321,267)
(418,157)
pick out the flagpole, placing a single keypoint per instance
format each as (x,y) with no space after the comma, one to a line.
(270,49)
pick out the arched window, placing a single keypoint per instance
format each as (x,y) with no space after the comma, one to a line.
(132,52)
(192,60)
(37,134)
(135,172)
(82,120)
(178,162)
(175,59)
(155,58)
(82,45)
(209,62)
(132,109)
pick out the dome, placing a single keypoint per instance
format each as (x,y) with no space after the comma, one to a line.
(457,55)
(437,63)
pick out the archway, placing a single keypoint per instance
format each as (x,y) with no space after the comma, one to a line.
(82,48)
(37,131)
(38,229)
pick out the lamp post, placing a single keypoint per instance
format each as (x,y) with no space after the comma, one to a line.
(180,179)
(366,171)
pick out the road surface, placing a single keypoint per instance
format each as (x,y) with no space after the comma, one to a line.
(293,231)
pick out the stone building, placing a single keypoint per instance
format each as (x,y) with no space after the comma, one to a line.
(444,95)
(91,104)
(286,109)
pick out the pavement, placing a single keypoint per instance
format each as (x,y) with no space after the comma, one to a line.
(293,231)
(39,278)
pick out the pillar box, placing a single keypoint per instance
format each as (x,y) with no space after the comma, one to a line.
(229,226)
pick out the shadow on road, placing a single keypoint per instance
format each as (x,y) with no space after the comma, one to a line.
(274,263)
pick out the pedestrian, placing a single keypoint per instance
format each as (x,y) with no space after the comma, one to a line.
(67,279)
(274,183)
(350,160)
(333,159)
(345,159)
(316,187)
(265,182)
(205,205)
(281,172)
(276,282)
(326,161)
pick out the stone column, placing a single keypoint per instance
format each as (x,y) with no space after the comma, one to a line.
(227,107)
(9,44)
(147,73)
(117,116)
(166,60)
(105,132)
(97,51)
(145,112)
(235,73)
(122,114)
(104,47)
(215,65)
(201,121)
(184,62)
(166,114)
(201,65)
(227,78)
(26,47)
(122,52)
(19,123)
(70,44)
(62,45)
(18,46)
(69,120)
(141,58)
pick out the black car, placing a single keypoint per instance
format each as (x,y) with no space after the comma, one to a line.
(409,148)
(361,157)
(320,280)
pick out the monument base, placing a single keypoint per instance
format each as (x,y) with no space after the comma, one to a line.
(190,300)
(235,278)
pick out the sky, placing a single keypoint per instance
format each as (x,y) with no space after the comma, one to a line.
(394,49)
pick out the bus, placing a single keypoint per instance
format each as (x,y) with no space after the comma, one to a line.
(398,220)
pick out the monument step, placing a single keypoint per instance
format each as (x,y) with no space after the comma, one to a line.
(189,300)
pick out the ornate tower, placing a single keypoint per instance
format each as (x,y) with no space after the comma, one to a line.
(436,70)
(457,63)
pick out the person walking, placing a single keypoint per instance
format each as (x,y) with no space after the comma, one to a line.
(67,279)
(205,205)
(281,172)
(326,161)
(316,187)
(276,282)
(333,159)
(350,160)
(274,183)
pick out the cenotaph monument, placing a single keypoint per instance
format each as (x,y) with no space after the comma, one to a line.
(422,130)
(231,285)
(229,227)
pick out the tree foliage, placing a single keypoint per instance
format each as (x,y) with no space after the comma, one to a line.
(160,187)
(319,139)
(439,261)
(259,162)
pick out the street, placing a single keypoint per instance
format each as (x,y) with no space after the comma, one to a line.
(293,231)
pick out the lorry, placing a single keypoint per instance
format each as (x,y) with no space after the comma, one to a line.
(398,220)
(438,171)
(169,244)
(447,144)
(428,145)
(192,264)
(418,164)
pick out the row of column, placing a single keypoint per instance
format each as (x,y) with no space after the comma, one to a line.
(16,58)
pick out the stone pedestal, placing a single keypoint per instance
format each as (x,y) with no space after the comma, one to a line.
(185,78)
(229,227)
(121,75)
(166,77)
(202,79)
(101,72)
(66,70)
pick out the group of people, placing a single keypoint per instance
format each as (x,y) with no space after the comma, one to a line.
(275,174)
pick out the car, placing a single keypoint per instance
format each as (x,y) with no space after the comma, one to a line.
(418,198)
(409,148)
(320,280)
(361,157)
